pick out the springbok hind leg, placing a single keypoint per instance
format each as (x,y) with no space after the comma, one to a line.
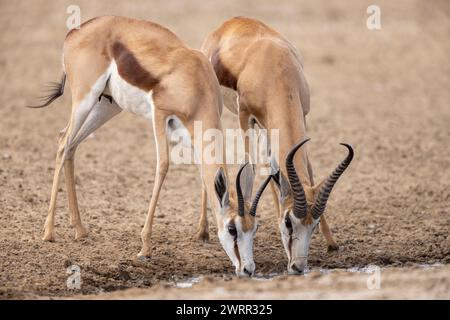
(79,113)
(81,119)
(103,111)
(75,221)
(49,226)
(162,145)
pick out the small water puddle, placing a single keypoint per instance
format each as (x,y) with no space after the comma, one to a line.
(189,282)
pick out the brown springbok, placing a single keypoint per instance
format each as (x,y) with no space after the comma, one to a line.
(266,72)
(116,63)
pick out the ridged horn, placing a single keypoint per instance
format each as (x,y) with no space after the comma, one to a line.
(300,205)
(324,192)
(240,196)
(258,195)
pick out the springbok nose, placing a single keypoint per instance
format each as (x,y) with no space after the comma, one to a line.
(248,273)
(298,270)
(299,266)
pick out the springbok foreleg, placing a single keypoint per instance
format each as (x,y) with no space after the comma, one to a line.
(325,229)
(202,230)
(162,166)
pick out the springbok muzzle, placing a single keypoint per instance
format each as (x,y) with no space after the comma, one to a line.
(247,271)
(298,266)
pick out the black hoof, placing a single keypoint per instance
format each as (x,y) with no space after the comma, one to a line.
(333,248)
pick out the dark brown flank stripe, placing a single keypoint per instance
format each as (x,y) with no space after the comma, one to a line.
(226,78)
(131,70)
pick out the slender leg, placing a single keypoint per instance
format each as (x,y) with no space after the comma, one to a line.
(81,109)
(49,226)
(100,114)
(244,118)
(332,245)
(161,171)
(75,219)
(275,194)
(65,134)
(202,230)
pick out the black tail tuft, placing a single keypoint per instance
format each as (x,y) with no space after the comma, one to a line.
(55,90)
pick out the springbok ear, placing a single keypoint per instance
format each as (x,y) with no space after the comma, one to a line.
(220,184)
(279,178)
(282,184)
(247,179)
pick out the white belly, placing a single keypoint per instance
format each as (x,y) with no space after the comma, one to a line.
(129,97)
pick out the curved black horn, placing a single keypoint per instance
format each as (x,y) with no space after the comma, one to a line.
(240,197)
(300,206)
(258,195)
(324,192)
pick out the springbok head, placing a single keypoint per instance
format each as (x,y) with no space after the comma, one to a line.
(301,208)
(238,213)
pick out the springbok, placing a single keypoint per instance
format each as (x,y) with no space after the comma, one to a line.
(116,63)
(266,72)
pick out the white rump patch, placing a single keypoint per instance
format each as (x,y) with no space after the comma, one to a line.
(129,97)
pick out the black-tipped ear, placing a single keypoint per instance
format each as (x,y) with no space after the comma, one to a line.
(275,171)
(220,184)
(279,179)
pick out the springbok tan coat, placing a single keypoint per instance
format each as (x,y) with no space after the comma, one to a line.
(266,72)
(116,63)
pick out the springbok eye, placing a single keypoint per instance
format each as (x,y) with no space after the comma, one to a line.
(287,222)
(232,230)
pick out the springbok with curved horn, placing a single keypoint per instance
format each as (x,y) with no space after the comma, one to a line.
(304,209)
(142,67)
(266,71)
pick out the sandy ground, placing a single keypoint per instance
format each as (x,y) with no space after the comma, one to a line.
(386,92)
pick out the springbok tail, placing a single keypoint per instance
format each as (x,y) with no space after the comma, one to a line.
(55,90)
